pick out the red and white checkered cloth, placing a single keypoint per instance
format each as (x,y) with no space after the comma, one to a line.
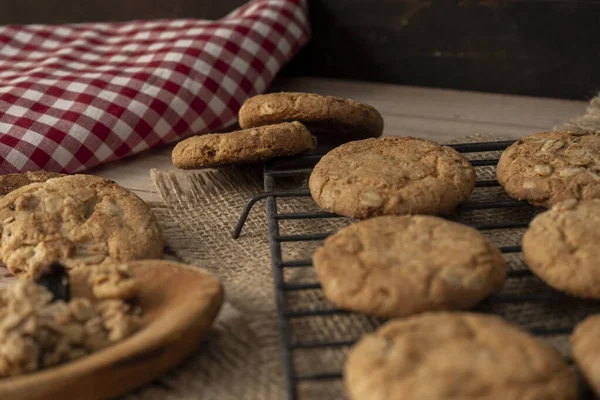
(75,96)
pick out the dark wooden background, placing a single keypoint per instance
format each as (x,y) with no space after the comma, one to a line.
(534,47)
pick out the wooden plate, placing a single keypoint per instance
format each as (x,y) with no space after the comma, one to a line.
(179,304)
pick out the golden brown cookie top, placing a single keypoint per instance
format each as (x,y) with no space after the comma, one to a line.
(548,167)
(244,146)
(394,266)
(77,220)
(328,117)
(464,356)
(561,246)
(10,182)
(586,350)
(391,175)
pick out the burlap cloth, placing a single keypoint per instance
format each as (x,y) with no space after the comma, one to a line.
(241,359)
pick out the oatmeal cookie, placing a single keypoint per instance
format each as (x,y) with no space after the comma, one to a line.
(36,332)
(440,356)
(245,146)
(394,266)
(548,167)
(329,118)
(562,248)
(391,175)
(77,220)
(586,350)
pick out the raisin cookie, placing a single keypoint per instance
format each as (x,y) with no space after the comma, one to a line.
(440,356)
(586,350)
(77,220)
(562,248)
(393,266)
(248,145)
(330,118)
(391,175)
(548,167)
(10,182)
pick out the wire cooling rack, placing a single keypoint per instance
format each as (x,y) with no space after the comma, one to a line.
(299,167)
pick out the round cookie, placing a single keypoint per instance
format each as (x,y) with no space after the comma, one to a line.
(394,266)
(245,146)
(586,350)
(441,356)
(391,175)
(562,248)
(548,167)
(77,220)
(330,118)
(10,182)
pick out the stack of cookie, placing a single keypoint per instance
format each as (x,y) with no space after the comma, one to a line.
(280,124)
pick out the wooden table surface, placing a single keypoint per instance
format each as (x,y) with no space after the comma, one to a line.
(436,114)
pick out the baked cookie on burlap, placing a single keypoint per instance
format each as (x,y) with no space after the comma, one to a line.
(440,356)
(586,350)
(10,182)
(548,167)
(329,118)
(391,175)
(245,146)
(394,266)
(562,247)
(77,220)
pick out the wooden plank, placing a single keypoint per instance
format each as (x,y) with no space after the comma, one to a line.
(435,114)
(533,47)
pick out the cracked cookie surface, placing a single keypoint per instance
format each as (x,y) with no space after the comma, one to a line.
(10,182)
(586,350)
(245,146)
(391,175)
(561,247)
(549,167)
(456,356)
(329,118)
(77,220)
(394,266)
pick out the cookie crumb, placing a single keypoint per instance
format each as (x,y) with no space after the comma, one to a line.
(37,332)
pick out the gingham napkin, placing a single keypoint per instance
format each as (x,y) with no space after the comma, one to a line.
(75,96)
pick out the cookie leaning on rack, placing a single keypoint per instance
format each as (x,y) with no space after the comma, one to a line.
(244,146)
